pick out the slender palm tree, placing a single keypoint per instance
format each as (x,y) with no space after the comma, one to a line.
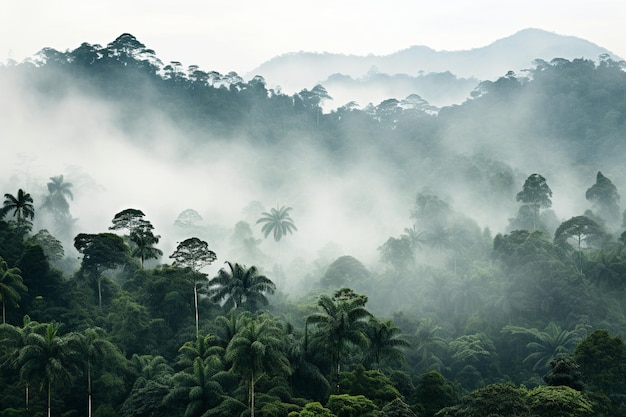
(143,241)
(10,286)
(384,341)
(21,206)
(49,358)
(12,340)
(255,350)
(278,222)
(339,325)
(240,287)
(96,350)
(58,193)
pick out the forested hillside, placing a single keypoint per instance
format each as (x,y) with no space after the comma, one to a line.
(413,261)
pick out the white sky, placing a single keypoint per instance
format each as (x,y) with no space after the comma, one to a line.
(240,35)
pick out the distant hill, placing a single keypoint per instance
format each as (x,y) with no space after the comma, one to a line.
(374,78)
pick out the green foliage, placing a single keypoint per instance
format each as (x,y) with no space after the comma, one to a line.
(559,401)
(345,271)
(242,287)
(255,350)
(535,194)
(397,408)
(11,284)
(313,409)
(602,360)
(496,400)
(20,206)
(340,325)
(433,393)
(193,253)
(372,384)
(385,342)
(345,405)
(564,371)
(584,231)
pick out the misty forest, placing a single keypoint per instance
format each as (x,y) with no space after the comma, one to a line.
(180,242)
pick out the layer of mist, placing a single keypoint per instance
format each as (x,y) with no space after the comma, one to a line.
(341,206)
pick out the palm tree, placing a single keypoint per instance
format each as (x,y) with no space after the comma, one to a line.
(143,242)
(384,340)
(429,347)
(255,350)
(226,327)
(56,200)
(240,287)
(150,368)
(278,222)
(49,358)
(96,350)
(200,394)
(341,324)
(546,344)
(22,206)
(12,340)
(205,348)
(10,285)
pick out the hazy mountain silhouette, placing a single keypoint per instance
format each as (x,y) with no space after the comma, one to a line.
(372,78)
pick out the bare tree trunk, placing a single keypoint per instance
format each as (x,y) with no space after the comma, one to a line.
(252,395)
(195,303)
(89,390)
(49,398)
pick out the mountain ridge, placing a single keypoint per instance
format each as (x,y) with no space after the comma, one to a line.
(294,71)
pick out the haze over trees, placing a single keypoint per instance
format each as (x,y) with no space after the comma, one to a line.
(453,262)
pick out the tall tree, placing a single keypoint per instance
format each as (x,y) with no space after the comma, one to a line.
(129,219)
(101,251)
(58,193)
(240,287)
(536,194)
(194,254)
(50,245)
(50,359)
(10,286)
(581,229)
(278,222)
(12,341)
(340,324)
(143,240)
(385,341)
(96,349)
(603,194)
(255,350)
(21,206)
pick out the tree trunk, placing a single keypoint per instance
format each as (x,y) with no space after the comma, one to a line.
(252,395)
(49,397)
(88,389)
(195,303)
(99,291)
